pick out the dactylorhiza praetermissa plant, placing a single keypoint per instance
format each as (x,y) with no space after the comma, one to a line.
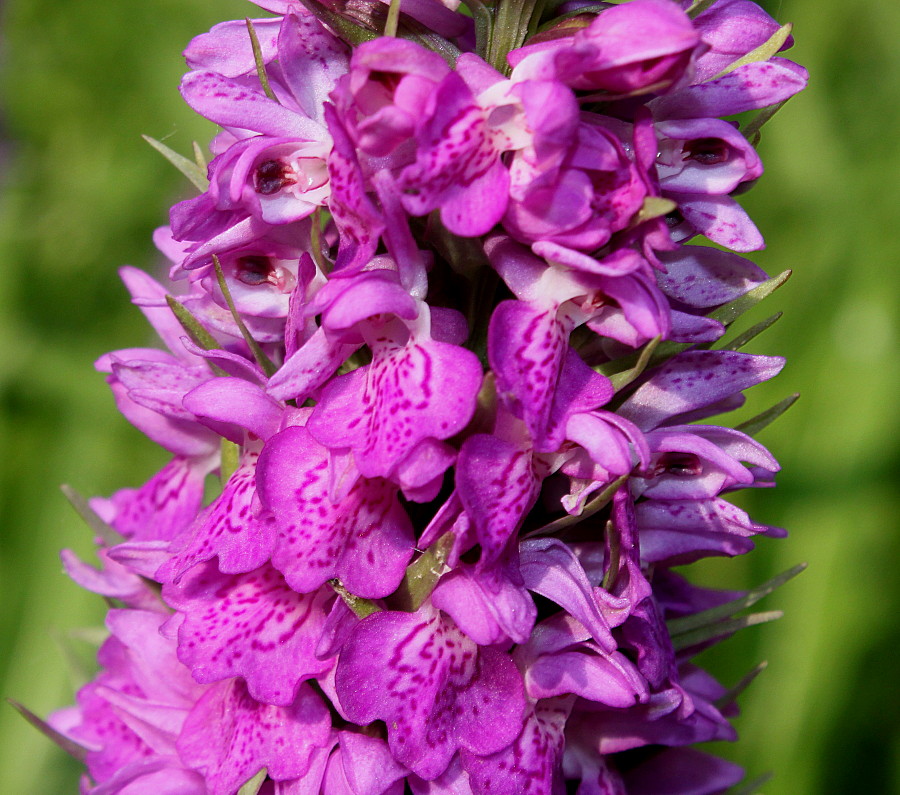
(437,327)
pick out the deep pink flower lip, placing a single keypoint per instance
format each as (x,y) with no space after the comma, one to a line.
(466,697)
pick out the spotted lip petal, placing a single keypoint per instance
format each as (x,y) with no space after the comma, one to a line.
(526,348)
(497,484)
(532,765)
(219,612)
(365,540)
(434,688)
(407,394)
(232,527)
(229,736)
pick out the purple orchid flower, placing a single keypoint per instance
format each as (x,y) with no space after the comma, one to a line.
(574,188)
(633,48)
(365,539)
(456,465)
(467,697)
(395,412)
(130,717)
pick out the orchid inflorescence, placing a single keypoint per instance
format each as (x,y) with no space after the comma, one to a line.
(436,329)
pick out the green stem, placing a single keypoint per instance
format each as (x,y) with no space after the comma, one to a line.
(393,19)
(615,548)
(260,64)
(315,241)
(261,359)
(512,22)
(484,23)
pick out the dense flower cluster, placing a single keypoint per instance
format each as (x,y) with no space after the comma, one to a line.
(425,289)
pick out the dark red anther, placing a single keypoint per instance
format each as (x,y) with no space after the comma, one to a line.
(706,151)
(271,176)
(388,80)
(678,464)
(253,270)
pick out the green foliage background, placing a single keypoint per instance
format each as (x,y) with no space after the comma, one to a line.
(80,194)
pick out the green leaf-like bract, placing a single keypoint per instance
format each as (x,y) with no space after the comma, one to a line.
(422,575)
(69,746)
(361,607)
(728,313)
(731,695)
(187,167)
(254,784)
(750,334)
(762,53)
(231,459)
(706,618)
(622,379)
(722,628)
(755,424)
(260,63)
(110,536)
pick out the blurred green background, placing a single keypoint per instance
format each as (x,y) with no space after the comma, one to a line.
(80,193)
